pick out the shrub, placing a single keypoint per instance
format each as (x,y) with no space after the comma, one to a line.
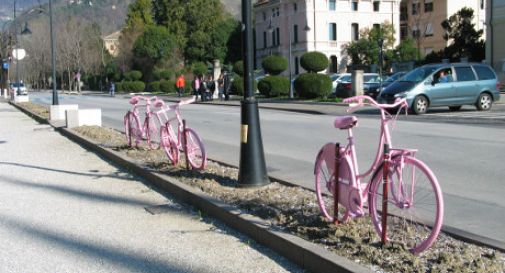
(157,74)
(274,65)
(167,86)
(238,68)
(237,86)
(155,86)
(136,86)
(119,87)
(199,68)
(165,74)
(313,85)
(135,75)
(314,61)
(274,86)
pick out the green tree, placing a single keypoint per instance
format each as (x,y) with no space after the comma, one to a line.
(407,51)
(466,40)
(139,14)
(154,45)
(366,49)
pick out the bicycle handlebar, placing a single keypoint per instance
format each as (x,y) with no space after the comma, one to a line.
(136,99)
(160,103)
(361,102)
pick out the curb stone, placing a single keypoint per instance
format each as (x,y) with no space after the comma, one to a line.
(307,255)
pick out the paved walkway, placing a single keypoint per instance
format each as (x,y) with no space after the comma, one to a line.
(63,209)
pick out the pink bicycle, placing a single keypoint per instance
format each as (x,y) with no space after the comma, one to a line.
(414,196)
(137,131)
(186,139)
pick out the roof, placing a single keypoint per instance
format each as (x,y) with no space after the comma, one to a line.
(113,36)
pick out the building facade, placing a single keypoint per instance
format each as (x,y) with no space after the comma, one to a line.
(111,43)
(292,27)
(495,51)
(422,20)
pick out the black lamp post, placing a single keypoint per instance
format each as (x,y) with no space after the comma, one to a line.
(252,171)
(380,42)
(53,57)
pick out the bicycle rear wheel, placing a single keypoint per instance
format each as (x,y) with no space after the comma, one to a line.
(152,127)
(325,183)
(415,204)
(169,146)
(195,153)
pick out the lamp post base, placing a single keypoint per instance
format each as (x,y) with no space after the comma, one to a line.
(252,171)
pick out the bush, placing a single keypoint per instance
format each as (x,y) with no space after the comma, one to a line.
(199,68)
(119,87)
(165,74)
(313,85)
(274,86)
(238,68)
(155,87)
(135,75)
(237,86)
(134,86)
(314,61)
(167,86)
(274,65)
(127,76)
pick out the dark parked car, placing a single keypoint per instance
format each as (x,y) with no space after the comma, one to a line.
(373,89)
(451,85)
(344,87)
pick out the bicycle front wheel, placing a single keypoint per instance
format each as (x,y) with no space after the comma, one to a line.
(132,129)
(195,152)
(415,204)
(325,183)
(151,127)
(169,146)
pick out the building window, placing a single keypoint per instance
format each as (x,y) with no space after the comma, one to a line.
(481,4)
(354,32)
(295,7)
(295,33)
(415,32)
(429,30)
(404,32)
(264,16)
(428,5)
(415,8)
(273,38)
(376,5)
(332,5)
(354,5)
(404,12)
(264,39)
(297,66)
(278,36)
(332,31)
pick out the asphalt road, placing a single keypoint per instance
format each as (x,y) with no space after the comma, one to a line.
(467,157)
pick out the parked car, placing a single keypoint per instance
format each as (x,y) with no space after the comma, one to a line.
(464,84)
(334,80)
(344,87)
(20,88)
(373,88)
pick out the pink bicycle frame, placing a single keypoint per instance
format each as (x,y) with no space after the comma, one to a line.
(164,118)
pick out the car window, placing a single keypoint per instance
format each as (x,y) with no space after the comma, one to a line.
(464,74)
(345,78)
(418,74)
(371,78)
(334,77)
(484,72)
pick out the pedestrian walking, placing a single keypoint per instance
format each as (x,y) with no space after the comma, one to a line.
(203,89)
(220,86)
(112,88)
(211,87)
(226,86)
(196,86)
(180,83)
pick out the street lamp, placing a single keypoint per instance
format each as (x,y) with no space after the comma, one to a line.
(380,42)
(252,170)
(53,57)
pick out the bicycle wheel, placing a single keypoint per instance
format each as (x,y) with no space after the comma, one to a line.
(169,145)
(133,126)
(196,151)
(415,204)
(126,122)
(325,183)
(151,128)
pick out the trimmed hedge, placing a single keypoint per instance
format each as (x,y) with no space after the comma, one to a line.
(119,86)
(199,68)
(237,86)
(314,61)
(167,86)
(238,68)
(274,64)
(131,86)
(155,87)
(313,85)
(274,86)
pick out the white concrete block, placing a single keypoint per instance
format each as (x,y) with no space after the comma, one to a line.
(89,117)
(57,112)
(21,98)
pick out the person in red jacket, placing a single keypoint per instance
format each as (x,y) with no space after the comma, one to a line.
(180,84)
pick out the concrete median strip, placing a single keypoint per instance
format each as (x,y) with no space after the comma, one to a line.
(307,255)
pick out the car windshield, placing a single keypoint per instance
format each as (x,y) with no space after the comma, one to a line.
(395,77)
(334,77)
(15,84)
(418,74)
(346,78)
(371,78)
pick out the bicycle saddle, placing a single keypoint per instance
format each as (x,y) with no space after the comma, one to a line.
(345,122)
(134,100)
(159,103)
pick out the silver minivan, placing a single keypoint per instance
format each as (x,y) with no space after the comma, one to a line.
(451,84)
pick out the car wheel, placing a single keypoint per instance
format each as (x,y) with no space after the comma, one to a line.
(455,107)
(420,105)
(484,102)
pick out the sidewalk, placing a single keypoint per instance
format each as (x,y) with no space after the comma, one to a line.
(64,209)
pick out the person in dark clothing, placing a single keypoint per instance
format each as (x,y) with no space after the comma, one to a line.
(226,86)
